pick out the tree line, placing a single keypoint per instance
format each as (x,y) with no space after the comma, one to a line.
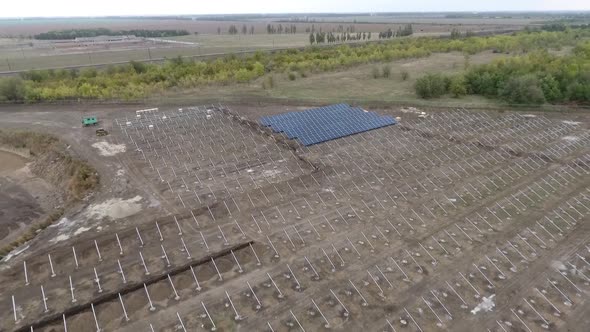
(138,80)
(406,30)
(535,78)
(233,30)
(323,37)
(271,29)
(88,33)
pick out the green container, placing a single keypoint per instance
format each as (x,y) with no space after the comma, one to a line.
(89,121)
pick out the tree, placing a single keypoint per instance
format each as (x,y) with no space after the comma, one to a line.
(244,29)
(252,30)
(455,33)
(320,37)
(551,89)
(577,91)
(218,30)
(457,86)
(12,89)
(522,90)
(369,36)
(431,86)
(386,71)
(311,38)
(422,87)
(407,30)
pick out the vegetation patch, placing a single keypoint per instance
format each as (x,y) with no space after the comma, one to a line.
(135,81)
(533,79)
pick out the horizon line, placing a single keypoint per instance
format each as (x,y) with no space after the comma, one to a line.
(303,13)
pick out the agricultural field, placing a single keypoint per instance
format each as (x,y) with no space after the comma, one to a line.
(19,52)
(447,220)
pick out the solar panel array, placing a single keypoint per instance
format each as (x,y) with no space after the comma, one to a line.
(326,123)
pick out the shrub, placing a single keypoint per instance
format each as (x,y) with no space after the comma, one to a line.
(89,73)
(457,86)
(138,67)
(522,90)
(12,89)
(405,75)
(243,75)
(268,83)
(292,76)
(432,86)
(386,71)
(422,87)
(550,88)
(578,92)
(375,72)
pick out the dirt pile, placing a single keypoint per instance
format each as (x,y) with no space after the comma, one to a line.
(50,160)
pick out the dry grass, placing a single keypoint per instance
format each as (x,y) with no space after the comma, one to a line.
(354,85)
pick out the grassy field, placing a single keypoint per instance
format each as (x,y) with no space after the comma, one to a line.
(354,85)
(28,57)
(24,57)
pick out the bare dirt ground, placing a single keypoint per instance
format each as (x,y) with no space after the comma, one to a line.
(24,197)
(459,221)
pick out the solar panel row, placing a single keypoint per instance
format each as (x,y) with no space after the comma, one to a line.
(325,123)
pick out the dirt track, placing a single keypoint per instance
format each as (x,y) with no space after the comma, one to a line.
(406,227)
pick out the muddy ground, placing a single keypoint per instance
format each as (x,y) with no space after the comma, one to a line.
(461,221)
(24,197)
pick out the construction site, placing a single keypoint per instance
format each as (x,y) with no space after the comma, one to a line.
(313,219)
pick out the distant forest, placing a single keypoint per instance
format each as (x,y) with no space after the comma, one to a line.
(85,33)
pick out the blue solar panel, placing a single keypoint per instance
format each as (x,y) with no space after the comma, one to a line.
(322,124)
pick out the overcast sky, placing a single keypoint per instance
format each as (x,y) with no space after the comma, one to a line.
(27,8)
